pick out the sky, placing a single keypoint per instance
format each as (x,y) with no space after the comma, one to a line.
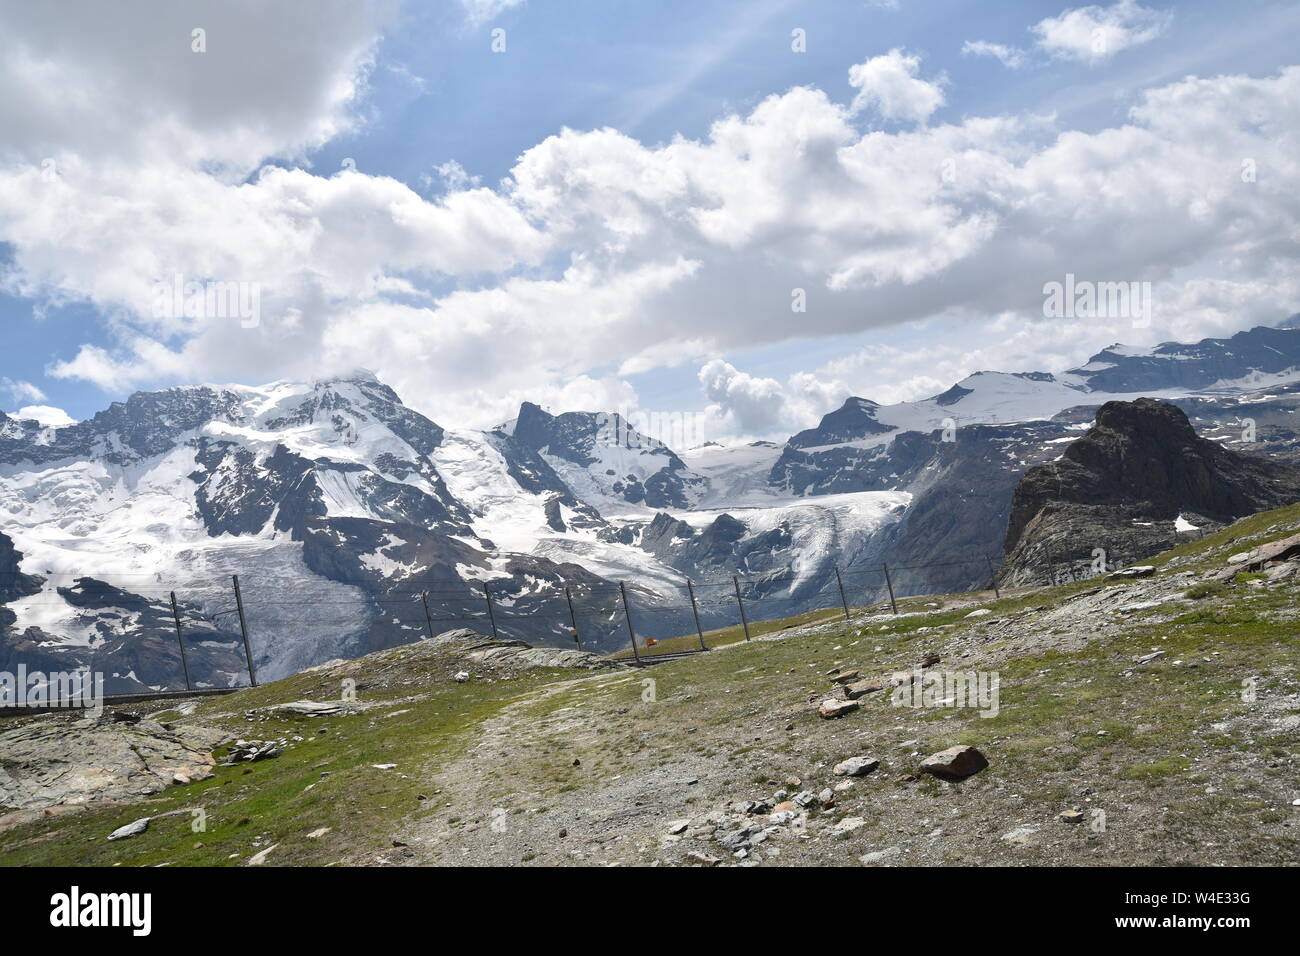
(744,210)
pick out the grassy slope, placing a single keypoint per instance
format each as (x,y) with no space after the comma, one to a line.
(1187,771)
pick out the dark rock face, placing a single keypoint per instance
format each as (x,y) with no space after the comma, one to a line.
(131,641)
(948,540)
(1197,365)
(578,437)
(14,583)
(854,420)
(1116,492)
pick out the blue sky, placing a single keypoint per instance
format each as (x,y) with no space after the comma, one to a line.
(425,89)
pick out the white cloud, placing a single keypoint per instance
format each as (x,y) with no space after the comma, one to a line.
(1096,33)
(752,407)
(479,12)
(22,391)
(124,83)
(46,415)
(889,85)
(601,252)
(1009,56)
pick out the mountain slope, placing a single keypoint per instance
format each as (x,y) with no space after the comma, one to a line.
(1131,486)
(1119,736)
(344,512)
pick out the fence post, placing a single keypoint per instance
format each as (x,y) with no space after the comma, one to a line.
(843,600)
(487,596)
(243,628)
(696,612)
(627,613)
(185,663)
(993,576)
(744,621)
(428,619)
(573,617)
(890,584)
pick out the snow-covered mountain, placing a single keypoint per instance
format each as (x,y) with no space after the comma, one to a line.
(342,511)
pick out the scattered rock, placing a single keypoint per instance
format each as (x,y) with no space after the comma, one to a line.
(460,677)
(317,834)
(250,750)
(312,708)
(678,826)
(257,859)
(848,825)
(855,767)
(981,612)
(836,708)
(131,829)
(955,763)
(879,856)
(1071,816)
(1147,658)
(1021,836)
(862,688)
(703,859)
(846,677)
(1137,571)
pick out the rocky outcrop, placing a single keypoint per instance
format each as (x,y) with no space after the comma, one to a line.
(66,761)
(1116,495)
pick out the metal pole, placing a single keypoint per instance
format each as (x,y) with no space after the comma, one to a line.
(744,621)
(243,628)
(185,663)
(428,620)
(573,618)
(843,600)
(890,584)
(696,611)
(993,575)
(487,595)
(627,613)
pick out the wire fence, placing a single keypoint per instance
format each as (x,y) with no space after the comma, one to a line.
(220,624)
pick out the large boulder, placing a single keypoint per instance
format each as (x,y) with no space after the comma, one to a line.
(955,763)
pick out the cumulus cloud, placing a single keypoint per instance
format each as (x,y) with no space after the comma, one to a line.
(1096,33)
(46,415)
(127,83)
(602,252)
(889,85)
(753,407)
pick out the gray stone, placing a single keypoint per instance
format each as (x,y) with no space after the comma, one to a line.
(134,828)
(955,763)
(855,767)
(836,708)
(65,761)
